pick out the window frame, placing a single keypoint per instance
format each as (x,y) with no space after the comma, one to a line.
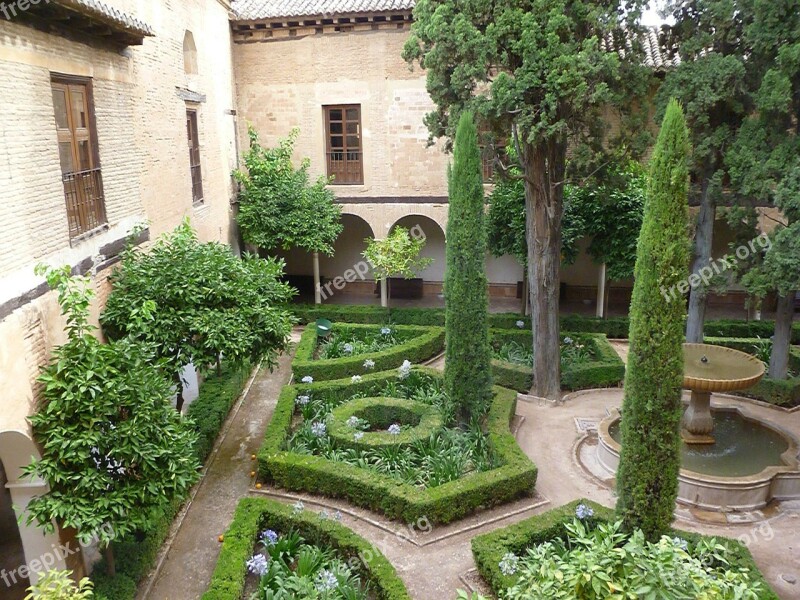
(195,156)
(89,214)
(357,175)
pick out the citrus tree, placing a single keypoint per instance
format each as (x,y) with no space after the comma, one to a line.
(396,255)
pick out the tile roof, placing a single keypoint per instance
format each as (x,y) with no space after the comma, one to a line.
(655,55)
(108,14)
(250,10)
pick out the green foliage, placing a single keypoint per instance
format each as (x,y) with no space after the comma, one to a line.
(278,205)
(58,585)
(253,515)
(505,220)
(398,254)
(197,301)
(135,554)
(467,371)
(551,527)
(417,345)
(514,474)
(357,343)
(647,478)
(374,416)
(596,561)
(112,447)
(602,368)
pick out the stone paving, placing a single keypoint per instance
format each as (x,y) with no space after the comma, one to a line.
(435,561)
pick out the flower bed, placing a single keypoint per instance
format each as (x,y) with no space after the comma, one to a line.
(376,423)
(588,360)
(392,345)
(577,552)
(333,559)
(297,457)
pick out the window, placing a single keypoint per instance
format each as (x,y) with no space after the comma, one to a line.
(77,150)
(343,144)
(194,155)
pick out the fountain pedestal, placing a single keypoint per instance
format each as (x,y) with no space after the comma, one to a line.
(697,424)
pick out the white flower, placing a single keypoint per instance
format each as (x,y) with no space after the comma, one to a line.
(355,378)
(568,340)
(307,379)
(681,543)
(358,435)
(404,370)
(394,429)
(326,581)
(298,507)
(508,565)
(319,429)
(258,564)
(520,324)
(369,364)
(323,515)
(302,400)
(353,421)
(337,516)
(385,331)
(348,348)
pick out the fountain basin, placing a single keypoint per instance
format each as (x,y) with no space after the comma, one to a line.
(724,369)
(734,473)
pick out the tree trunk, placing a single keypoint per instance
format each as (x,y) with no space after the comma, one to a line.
(702,251)
(601,292)
(179,392)
(544,167)
(111,565)
(317,287)
(781,343)
(384,292)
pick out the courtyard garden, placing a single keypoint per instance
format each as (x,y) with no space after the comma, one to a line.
(341,452)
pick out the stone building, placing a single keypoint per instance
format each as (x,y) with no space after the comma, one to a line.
(114,113)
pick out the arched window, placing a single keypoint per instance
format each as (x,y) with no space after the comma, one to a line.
(189,54)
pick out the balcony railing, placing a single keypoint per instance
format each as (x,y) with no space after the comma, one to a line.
(346,167)
(86,208)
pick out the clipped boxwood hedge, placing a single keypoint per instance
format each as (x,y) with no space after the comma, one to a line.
(780,392)
(606,369)
(424,418)
(613,327)
(256,514)
(451,501)
(488,549)
(135,555)
(420,344)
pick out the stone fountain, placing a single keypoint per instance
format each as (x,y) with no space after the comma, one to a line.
(710,369)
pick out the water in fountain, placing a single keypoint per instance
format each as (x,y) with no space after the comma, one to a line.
(742,447)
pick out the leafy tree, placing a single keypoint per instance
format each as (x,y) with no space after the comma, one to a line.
(112,447)
(58,585)
(279,207)
(647,478)
(764,161)
(712,82)
(197,302)
(467,372)
(397,254)
(541,69)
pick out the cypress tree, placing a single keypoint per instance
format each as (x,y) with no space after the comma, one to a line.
(647,479)
(467,374)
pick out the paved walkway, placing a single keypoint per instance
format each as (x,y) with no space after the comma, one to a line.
(435,561)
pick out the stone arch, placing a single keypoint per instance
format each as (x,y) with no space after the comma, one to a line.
(347,253)
(434,244)
(17,450)
(189,54)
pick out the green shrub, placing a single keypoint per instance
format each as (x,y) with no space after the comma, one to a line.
(255,514)
(514,476)
(467,370)
(647,478)
(425,420)
(490,549)
(421,343)
(613,327)
(135,555)
(604,369)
